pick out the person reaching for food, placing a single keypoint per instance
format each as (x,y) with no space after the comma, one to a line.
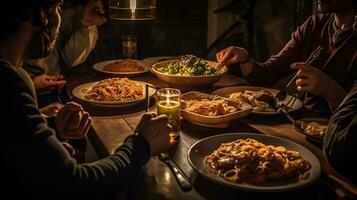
(327,79)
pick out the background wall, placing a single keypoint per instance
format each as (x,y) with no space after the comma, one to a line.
(190,26)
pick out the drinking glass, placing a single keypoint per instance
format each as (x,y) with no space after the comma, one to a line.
(129,46)
(168,103)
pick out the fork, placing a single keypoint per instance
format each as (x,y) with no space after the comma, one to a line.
(286,107)
(281,95)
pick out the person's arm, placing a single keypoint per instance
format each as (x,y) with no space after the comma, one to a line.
(276,67)
(340,140)
(43,163)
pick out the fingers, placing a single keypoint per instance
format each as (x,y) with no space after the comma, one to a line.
(65,114)
(162,118)
(226,54)
(303,81)
(81,131)
(301,66)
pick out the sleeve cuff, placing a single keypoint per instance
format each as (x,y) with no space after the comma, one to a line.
(140,148)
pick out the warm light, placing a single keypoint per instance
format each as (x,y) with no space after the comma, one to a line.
(133,7)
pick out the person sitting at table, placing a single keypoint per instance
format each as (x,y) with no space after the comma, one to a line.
(34,164)
(325,81)
(77,38)
(339,144)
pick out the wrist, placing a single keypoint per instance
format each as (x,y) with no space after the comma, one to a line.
(245,59)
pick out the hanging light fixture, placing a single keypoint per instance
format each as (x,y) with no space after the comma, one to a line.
(132,9)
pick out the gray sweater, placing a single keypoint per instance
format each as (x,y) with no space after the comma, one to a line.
(35,164)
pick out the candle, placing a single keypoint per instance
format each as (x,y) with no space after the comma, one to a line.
(168,103)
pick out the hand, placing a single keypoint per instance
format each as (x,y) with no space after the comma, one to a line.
(231,55)
(93,13)
(72,122)
(311,79)
(156,132)
(47,82)
(51,109)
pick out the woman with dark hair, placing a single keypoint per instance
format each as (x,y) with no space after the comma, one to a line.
(34,164)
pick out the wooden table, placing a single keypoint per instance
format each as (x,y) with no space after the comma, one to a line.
(112,125)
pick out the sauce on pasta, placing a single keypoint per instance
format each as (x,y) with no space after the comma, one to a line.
(249,161)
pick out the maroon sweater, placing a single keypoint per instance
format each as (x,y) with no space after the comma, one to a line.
(338,59)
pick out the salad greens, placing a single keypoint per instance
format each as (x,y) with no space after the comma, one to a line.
(189,66)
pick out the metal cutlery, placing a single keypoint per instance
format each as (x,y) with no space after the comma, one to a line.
(282,94)
(179,175)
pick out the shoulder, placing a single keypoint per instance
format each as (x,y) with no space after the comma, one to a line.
(316,22)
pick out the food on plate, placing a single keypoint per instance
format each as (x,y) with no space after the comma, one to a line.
(313,128)
(188,66)
(261,100)
(123,66)
(252,162)
(214,107)
(115,89)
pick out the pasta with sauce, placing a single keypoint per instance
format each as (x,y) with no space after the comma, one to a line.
(115,89)
(247,160)
(214,107)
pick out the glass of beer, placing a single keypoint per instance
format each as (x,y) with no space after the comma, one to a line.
(168,103)
(129,46)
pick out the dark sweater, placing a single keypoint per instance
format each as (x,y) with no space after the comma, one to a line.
(340,143)
(338,59)
(34,163)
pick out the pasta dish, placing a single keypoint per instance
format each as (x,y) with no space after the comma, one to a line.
(123,66)
(115,89)
(249,161)
(214,107)
(260,100)
(188,66)
(313,128)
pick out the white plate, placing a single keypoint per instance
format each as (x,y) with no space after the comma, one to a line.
(100,67)
(80,90)
(226,92)
(206,146)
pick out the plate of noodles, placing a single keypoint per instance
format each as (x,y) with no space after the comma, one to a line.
(254,162)
(113,92)
(188,72)
(314,129)
(127,67)
(260,98)
(211,110)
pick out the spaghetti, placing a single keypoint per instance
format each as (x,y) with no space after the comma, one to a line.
(115,89)
(247,160)
(207,107)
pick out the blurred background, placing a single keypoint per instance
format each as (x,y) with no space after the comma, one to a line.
(203,27)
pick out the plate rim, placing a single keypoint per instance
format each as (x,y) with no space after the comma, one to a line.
(253,187)
(99,67)
(266,88)
(112,103)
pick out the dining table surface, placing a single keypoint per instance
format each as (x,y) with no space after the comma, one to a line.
(112,125)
